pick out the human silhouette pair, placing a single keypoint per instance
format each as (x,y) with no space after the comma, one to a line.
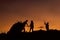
(19,26)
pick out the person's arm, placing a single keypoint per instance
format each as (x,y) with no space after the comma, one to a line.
(27,25)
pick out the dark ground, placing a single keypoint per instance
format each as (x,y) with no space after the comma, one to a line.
(36,35)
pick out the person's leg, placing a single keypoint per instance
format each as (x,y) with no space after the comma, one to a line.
(24,29)
(30,30)
(48,28)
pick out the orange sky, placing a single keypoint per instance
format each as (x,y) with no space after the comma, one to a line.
(38,11)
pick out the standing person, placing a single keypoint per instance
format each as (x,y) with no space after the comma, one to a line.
(31,25)
(47,25)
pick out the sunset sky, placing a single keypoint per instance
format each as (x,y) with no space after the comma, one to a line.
(36,10)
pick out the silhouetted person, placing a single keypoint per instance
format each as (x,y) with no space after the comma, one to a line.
(16,28)
(24,24)
(31,25)
(47,25)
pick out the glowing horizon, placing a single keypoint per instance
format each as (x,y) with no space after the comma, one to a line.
(38,11)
